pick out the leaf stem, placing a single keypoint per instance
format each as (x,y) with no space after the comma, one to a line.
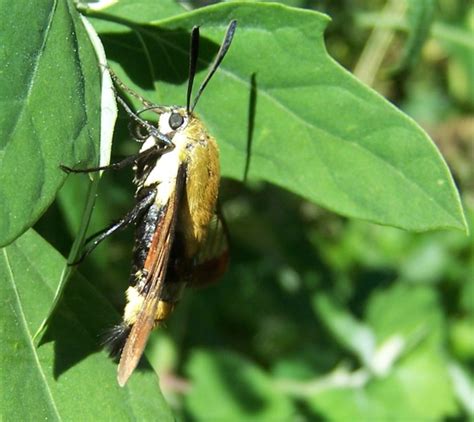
(74,253)
(439,30)
(377,44)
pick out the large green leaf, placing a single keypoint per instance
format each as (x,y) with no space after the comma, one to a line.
(50,106)
(282,109)
(67,377)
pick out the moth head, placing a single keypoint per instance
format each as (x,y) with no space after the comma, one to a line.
(174,120)
(178,119)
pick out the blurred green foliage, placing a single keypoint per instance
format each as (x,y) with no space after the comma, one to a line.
(322,317)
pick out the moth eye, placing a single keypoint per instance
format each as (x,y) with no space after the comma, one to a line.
(175,121)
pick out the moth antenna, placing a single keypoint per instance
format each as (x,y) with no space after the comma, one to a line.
(128,90)
(156,108)
(193,56)
(219,57)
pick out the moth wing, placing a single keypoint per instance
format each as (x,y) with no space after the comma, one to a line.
(159,255)
(213,258)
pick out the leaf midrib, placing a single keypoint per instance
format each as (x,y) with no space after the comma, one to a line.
(29,336)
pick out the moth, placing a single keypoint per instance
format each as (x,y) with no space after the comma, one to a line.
(180,236)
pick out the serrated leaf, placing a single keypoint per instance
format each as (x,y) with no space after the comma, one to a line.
(282,109)
(68,376)
(50,107)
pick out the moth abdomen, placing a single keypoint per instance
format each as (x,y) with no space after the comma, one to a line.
(114,339)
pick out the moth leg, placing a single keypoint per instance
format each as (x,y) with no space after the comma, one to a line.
(152,130)
(116,166)
(140,207)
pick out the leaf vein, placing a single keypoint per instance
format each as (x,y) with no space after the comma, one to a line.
(28,334)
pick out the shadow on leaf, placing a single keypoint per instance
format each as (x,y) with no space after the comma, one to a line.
(164,53)
(79,325)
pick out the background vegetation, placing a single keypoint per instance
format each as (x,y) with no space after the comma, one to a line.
(320,316)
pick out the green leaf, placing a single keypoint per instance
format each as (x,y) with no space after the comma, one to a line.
(107,123)
(417,386)
(50,108)
(74,255)
(67,376)
(408,310)
(464,387)
(350,333)
(284,111)
(417,389)
(226,387)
